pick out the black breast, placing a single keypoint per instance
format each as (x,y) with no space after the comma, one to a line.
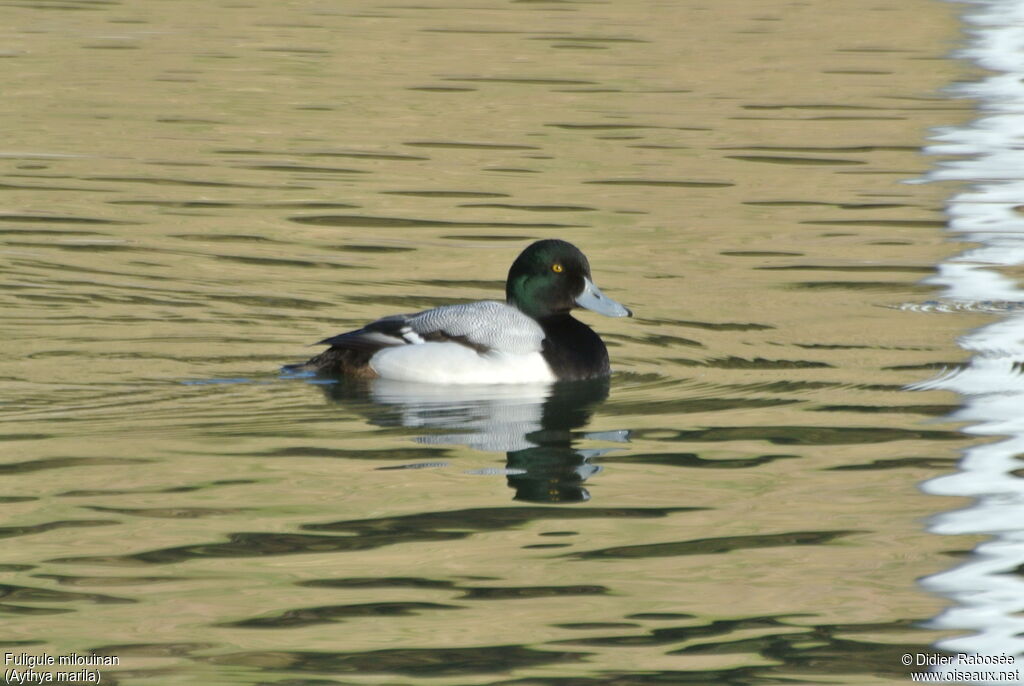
(572,349)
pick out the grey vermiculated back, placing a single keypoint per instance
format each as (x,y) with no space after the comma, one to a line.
(488,323)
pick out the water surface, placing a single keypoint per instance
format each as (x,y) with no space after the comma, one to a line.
(193,192)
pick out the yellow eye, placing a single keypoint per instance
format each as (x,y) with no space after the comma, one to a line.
(557,268)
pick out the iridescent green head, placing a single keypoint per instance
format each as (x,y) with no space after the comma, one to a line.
(552,277)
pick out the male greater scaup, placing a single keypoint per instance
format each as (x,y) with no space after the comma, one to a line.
(529,338)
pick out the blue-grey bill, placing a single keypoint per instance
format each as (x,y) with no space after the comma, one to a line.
(593,299)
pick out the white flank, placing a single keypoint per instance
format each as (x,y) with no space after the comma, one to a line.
(452,363)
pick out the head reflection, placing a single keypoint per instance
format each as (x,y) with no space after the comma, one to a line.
(536,426)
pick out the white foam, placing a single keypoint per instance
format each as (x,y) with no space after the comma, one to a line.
(988,599)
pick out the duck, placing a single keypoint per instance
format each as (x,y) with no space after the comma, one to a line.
(531,337)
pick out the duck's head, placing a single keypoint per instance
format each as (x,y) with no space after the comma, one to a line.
(552,277)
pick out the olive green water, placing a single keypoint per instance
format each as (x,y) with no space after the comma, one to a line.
(192,192)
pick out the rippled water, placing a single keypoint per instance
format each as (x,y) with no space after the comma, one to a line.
(193,192)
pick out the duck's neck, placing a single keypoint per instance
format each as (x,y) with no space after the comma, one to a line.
(572,349)
(524,306)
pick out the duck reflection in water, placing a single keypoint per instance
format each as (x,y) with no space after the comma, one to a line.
(535,425)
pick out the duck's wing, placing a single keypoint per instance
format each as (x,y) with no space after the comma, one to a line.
(482,326)
(382,333)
